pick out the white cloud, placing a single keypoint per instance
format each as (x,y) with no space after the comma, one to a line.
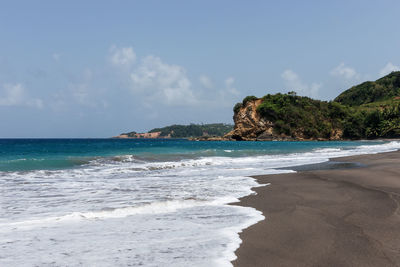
(34,102)
(206,82)
(80,92)
(15,95)
(345,72)
(122,57)
(229,81)
(56,56)
(164,82)
(388,69)
(294,83)
(224,97)
(155,82)
(230,87)
(84,93)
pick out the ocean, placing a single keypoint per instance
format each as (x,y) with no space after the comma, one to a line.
(137,202)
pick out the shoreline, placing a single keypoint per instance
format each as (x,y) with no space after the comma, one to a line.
(327,216)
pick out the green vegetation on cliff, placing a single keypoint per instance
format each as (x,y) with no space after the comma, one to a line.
(194,130)
(244,102)
(130,134)
(375,108)
(302,116)
(368,110)
(382,89)
(368,122)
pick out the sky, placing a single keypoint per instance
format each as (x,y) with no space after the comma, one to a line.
(72,69)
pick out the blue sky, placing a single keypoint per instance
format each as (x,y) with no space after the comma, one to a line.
(99,68)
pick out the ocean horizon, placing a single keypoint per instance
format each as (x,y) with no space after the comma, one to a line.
(132,202)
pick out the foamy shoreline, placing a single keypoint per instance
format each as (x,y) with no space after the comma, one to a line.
(149,204)
(268,241)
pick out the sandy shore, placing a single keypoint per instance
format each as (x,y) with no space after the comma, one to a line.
(340,217)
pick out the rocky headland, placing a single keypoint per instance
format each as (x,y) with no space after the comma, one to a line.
(369,110)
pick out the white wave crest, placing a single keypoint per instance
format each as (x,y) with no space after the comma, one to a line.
(150,208)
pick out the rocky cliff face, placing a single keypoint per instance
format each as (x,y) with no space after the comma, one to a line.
(250,126)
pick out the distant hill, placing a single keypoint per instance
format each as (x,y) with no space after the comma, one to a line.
(130,134)
(369,110)
(382,89)
(194,130)
(183,131)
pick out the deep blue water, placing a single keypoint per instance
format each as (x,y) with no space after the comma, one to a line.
(47,154)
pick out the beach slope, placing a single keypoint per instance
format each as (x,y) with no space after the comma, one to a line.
(341,217)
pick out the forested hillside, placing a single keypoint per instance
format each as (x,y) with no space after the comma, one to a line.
(369,110)
(194,130)
(382,89)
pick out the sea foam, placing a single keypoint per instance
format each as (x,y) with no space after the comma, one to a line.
(136,212)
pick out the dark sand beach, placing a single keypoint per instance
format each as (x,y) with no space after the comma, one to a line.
(331,217)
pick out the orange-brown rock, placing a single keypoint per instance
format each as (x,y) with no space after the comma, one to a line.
(250,126)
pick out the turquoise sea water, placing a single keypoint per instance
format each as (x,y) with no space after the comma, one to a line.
(135,202)
(47,154)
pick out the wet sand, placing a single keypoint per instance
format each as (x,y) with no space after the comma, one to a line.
(339,217)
